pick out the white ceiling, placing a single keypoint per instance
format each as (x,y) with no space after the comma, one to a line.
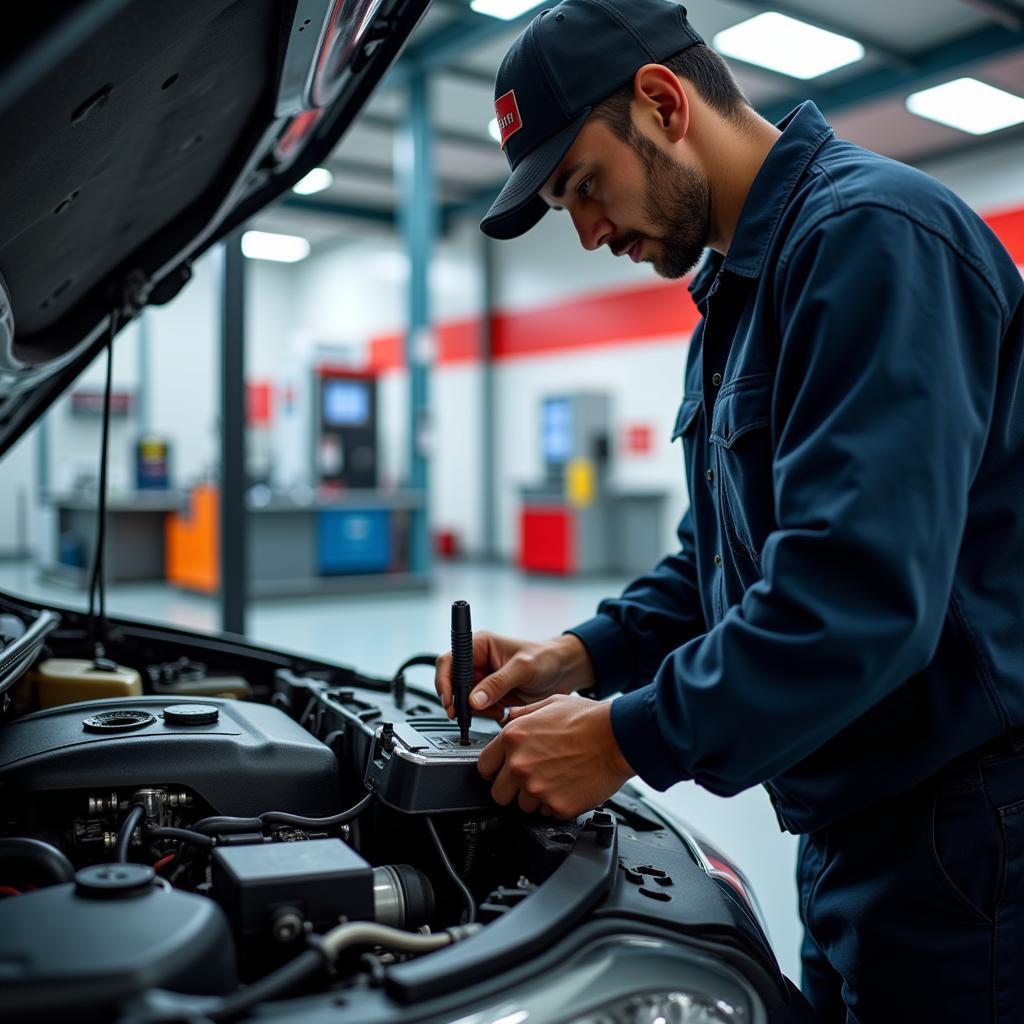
(462,98)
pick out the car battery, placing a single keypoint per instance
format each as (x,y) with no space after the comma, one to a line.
(423,768)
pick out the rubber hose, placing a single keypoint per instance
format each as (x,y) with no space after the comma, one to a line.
(124,837)
(47,859)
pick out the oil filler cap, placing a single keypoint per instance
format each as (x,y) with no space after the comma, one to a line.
(191,714)
(114,881)
(118,721)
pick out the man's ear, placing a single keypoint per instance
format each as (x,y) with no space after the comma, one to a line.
(660,97)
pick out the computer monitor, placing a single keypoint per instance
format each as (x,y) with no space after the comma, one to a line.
(556,430)
(346,403)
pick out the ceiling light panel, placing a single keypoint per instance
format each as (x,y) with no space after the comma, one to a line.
(791,47)
(969,106)
(507,10)
(264,245)
(316,181)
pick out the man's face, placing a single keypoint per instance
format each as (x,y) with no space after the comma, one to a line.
(633,198)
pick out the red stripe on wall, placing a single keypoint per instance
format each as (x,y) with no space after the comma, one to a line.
(625,316)
(458,341)
(386,353)
(1009,226)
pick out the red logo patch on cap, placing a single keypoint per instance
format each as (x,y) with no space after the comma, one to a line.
(509,119)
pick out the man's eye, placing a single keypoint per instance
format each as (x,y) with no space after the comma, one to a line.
(583,188)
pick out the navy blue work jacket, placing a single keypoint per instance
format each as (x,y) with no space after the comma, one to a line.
(845,613)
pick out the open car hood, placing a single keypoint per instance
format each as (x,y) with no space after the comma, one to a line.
(135,136)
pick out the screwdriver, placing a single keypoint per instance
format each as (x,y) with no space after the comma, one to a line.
(462,666)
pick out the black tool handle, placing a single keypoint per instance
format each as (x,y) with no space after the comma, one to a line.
(462,666)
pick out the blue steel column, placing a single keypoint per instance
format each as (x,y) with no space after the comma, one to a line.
(414,170)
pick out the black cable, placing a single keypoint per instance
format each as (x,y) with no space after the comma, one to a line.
(97,624)
(43,858)
(183,866)
(124,837)
(398,683)
(426,660)
(452,873)
(286,977)
(228,824)
(184,834)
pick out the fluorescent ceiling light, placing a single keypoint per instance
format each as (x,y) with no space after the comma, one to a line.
(504,9)
(494,130)
(969,105)
(262,245)
(788,46)
(316,181)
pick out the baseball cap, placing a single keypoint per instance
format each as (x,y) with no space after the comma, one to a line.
(566,61)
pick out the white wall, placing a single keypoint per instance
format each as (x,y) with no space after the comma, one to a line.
(990,181)
(357,290)
(18,518)
(183,350)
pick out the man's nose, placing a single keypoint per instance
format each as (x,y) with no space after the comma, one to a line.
(593,228)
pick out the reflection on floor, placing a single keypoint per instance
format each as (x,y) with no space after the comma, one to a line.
(376,633)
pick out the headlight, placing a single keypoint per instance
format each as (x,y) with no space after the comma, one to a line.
(666,1008)
(629,979)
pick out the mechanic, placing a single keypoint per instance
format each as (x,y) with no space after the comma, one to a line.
(844,618)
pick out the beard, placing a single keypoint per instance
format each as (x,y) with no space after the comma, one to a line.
(679,201)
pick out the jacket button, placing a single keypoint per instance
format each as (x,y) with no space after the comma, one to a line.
(716,379)
(718,561)
(711,476)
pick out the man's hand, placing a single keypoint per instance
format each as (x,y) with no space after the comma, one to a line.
(559,756)
(511,673)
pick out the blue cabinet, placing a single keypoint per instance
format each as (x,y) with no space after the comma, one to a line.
(353,541)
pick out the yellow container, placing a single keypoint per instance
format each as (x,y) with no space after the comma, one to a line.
(68,680)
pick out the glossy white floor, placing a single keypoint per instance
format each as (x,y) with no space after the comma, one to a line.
(374,634)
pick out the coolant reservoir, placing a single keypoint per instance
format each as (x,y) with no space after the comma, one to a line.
(60,681)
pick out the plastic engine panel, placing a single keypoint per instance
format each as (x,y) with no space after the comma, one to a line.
(252,758)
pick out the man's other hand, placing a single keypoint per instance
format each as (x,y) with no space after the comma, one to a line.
(558,756)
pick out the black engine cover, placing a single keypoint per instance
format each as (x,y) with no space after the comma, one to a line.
(252,758)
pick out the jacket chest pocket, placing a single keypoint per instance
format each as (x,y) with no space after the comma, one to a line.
(742,450)
(686,428)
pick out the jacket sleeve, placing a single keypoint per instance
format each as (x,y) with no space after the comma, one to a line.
(888,356)
(631,635)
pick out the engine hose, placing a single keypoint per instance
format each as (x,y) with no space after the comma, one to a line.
(305,964)
(44,858)
(124,837)
(327,949)
(226,824)
(368,933)
(184,834)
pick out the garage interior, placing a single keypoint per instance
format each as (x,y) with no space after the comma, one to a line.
(431,416)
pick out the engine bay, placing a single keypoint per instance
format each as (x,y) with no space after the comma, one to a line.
(242,823)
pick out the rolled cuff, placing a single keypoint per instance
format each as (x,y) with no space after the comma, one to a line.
(639,736)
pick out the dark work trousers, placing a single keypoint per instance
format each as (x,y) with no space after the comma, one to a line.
(913,910)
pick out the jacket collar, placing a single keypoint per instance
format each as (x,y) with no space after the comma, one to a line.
(804,132)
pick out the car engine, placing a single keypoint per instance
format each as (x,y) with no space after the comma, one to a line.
(194,827)
(190,843)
